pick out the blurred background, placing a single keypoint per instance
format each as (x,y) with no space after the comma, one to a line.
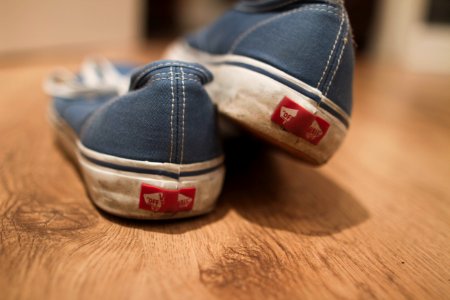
(372,223)
(412,34)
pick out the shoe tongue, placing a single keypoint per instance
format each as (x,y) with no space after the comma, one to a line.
(168,68)
(273,5)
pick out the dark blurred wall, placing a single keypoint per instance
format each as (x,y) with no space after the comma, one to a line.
(159,18)
(362,17)
(439,12)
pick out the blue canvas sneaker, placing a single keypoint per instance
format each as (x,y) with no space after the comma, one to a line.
(283,70)
(152,153)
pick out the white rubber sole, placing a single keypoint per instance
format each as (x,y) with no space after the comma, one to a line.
(250,98)
(120,192)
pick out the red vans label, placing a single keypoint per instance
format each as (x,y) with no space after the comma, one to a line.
(299,121)
(161,200)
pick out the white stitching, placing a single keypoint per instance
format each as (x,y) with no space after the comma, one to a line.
(171,115)
(169,78)
(332,50)
(291,2)
(184,112)
(172,64)
(165,73)
(144,71)
(337,67)
(243,35)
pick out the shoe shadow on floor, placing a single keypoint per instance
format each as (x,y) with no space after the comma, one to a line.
(273,190)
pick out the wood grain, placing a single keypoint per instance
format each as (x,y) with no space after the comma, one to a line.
(374,223)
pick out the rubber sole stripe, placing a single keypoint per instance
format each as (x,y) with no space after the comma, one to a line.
(149,171)
(291,85)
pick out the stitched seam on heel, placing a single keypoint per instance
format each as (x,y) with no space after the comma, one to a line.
(176,143)
(332,52)
(183,115)
(339,61)
(171,113)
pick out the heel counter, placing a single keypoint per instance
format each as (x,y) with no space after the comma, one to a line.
(166,117)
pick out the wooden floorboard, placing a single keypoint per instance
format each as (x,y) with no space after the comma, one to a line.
(374,223)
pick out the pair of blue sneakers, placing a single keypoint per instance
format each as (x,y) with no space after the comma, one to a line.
(148,144)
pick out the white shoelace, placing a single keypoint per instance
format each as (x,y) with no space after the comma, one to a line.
(97,76)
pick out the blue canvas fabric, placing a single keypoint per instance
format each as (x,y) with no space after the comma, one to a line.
(125,68)
(167,116)
(310,40)
(76,109)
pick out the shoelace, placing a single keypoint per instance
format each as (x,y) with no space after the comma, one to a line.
(97,76)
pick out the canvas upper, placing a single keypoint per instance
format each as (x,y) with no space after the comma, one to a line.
(166,116)
(310,40)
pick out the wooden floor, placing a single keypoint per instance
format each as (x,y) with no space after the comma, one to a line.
(374,223)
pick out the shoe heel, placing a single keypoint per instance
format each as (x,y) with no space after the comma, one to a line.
(144,196)
(258,108)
